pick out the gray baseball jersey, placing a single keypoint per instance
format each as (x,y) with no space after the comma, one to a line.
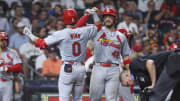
(72,42)
(109,46)
(9,58)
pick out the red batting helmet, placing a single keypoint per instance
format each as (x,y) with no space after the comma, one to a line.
(173,46)
(110,11)
(3,35)
(70,16)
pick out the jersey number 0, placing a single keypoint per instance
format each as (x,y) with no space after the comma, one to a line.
(76,48)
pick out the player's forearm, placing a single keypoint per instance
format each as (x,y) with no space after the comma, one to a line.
(150,66)
(126,61)
(16,68)
(82,21)
(97,21)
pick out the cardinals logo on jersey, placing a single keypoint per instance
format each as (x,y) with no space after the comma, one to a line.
(106,42)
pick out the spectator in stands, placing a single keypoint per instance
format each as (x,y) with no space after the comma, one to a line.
(4,6)
(34,13)
(19,15)
(142,4)
(51,25)
(171,37)
(165,19)
(146,46)
(137,51)
(43,18)
(122,6)
(10,2)
(57,12)
(128,24)
(35,25)
(132,7)
(107,4)
(75,4)
(40,60)
(4,21)
(151,34)
(13,26)
(59,25)
(28,49)
(16,40)
(172,6)
(51,66)
(89,3)
(154,48)
(149,16)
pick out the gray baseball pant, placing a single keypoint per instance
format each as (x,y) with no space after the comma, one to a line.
(72,83)
(104,79)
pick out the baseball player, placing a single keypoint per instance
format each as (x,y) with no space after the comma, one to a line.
(109,45)
(72,44)
(9,63)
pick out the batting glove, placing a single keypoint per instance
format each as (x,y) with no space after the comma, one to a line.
(3,69)
(27,31)
(90,11)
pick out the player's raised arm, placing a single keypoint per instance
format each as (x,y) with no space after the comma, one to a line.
(84,18)
(43,43)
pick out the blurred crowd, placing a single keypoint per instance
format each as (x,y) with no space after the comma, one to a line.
(152,26)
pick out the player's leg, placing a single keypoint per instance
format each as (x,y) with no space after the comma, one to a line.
(125,93)
(65,85)
(8,91)
(1,90)
(163,86)
(112,84)
(79,83)
(97,83)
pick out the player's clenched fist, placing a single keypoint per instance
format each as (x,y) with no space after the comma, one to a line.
(91,11)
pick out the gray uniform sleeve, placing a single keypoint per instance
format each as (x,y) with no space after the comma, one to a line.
(56,37)
(125,50)
(90,31)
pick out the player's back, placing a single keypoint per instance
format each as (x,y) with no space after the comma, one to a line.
(73,47)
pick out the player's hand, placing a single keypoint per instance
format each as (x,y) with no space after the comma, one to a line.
(27,30)
(3,69)
(91,11)
(149,87)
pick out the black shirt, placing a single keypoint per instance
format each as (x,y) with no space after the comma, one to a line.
(138,67)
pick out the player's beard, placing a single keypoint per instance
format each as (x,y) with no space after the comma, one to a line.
(4,46)
(109,25)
